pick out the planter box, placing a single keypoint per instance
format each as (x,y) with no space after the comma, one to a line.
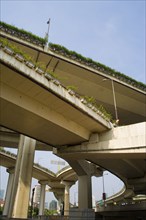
(30,64)
(56,82)
(71,92)
(48,76)
(19,57)
(83,101)
(89,105)
(39,70)
(94,109)
(8,50)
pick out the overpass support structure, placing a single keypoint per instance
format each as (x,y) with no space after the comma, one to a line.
(8,191)
(42,197)
(18,204)
(85,192)
(85,170)
(59,194)
(122,151)
(67,185)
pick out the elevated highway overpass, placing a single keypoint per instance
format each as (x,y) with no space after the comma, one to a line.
(9,138)
(39,106)
(8,160)
(44,176)
(113,151)
(89,80)
(53,180)
(36,119)
(34,106)
(122,151)
(125,208)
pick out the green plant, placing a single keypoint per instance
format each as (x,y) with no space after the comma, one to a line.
(90,99)
(26,34)
(48,212)
(96,65)
(1,210)
(16,49)
(40,65)
(71,87)
(54,75)
(105,113)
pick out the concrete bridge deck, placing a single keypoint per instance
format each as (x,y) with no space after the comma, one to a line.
(37,107)
(88,80)
(41,108)
(121,151)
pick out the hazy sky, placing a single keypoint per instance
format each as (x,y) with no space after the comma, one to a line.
(110,32)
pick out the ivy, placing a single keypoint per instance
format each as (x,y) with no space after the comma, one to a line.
(16,49)
(72,87)
(90,99)
(105,113)
(96,65)
(22,33)
(28,36)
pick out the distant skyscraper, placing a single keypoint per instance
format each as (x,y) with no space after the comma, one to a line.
(37,193)
(2,191)
(46,205)
(53,205)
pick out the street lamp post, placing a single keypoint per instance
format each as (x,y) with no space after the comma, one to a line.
(31,211)
(103,194)
(114,100)
(47,33)
(115,104)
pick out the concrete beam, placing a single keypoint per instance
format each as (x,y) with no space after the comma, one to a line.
(126,140)
(10,139)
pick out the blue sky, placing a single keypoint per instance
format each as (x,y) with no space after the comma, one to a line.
(110,32)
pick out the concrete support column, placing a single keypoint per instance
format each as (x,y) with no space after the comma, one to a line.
(59,204)
(59,194)
(66,199)
(85,192)
(22,178)
(66,196)
(8,191)
(84,170)
(42,197)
